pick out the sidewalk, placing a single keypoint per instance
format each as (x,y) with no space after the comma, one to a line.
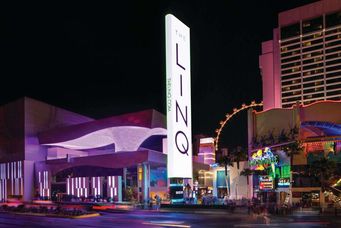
(236,211)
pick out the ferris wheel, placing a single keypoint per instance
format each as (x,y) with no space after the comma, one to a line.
(228,118)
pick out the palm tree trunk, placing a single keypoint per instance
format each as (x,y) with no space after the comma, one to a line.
(322,188)
(227,186)
(247,181)
(227,181)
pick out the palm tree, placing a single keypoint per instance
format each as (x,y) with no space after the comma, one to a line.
(292,149)
(293,132)
(247,172)
(226,161)
(282,137)
(238,155)
(323,169)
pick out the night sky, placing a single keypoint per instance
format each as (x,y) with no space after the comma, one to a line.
(102,60)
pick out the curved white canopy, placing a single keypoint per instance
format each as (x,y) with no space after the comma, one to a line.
(125,138)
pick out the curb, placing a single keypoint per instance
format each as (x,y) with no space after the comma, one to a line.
(85,216)
(53,215)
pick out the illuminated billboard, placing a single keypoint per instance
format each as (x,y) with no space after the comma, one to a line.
(178,84)
(266,183)
(283,182)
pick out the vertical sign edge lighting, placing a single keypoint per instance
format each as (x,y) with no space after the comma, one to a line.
(178,99)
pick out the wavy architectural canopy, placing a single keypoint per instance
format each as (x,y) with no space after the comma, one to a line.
(127,138)
(127,132)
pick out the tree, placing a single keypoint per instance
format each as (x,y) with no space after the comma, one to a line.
(255,142)
(292,149)
(293,132)
(226,161)
(323,169)
(246,172)
(282,137)
(238,154)
(271,138)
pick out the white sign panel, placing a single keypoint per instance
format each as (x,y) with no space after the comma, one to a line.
(178,79)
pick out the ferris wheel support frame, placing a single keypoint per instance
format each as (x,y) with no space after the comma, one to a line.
(229,116)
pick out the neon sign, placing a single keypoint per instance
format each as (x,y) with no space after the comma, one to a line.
(266,182)
(283,182)
(262,159)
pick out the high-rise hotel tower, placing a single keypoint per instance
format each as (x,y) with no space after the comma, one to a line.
(303,61)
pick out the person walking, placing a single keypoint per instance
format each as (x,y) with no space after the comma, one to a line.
(225,200)
(266,216)
(158,202)
(248,207)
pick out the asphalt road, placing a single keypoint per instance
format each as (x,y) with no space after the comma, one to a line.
(172,219)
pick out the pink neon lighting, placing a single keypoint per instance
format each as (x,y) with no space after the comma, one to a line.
(301,105)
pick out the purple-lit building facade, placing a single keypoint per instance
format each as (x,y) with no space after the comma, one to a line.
(47,150)
(302,63)
(20,122)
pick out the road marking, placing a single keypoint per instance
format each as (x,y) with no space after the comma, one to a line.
(165,224)
(281,224)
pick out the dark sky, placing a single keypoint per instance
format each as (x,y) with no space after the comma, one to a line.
(106,59)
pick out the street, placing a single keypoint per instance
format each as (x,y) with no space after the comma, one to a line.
(207,218)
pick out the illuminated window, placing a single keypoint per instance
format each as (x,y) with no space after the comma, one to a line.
(307,55)
(313,96)
(317,35)
(295,69)
(318,71)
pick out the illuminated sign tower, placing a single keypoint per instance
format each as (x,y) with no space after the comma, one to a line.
(178,80)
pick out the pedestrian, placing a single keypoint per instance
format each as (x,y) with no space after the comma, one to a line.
(248,207)
(150,203)
(266,216)
(225,200)
(276,209)
(158,202)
